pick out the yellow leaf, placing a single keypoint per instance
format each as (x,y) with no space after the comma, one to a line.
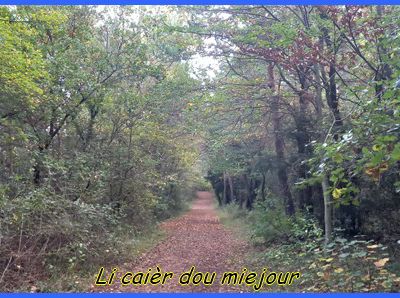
(336,193)
(329,260)
(366,277)
(377,147)
(372,246)
(339,270)
(381,262)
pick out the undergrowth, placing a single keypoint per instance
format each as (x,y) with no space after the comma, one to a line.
(83,280)
(279,244)
(52,244)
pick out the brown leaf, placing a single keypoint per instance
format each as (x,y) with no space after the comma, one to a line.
(381,262)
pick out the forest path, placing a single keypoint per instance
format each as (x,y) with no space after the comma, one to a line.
(196,238)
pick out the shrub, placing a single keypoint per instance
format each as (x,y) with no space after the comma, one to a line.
(44,231)
(270,224)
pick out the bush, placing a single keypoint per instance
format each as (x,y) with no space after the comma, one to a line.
(270,224)
(44,231)
(233,211)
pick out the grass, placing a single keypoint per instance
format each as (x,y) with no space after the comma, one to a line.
(234,219)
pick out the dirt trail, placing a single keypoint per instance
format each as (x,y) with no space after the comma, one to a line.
(196,238)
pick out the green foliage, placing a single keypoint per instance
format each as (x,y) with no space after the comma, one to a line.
(104,129)
(268,224)
(94,146)
(271,225)
(345,266)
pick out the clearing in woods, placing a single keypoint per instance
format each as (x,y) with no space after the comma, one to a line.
(195,239)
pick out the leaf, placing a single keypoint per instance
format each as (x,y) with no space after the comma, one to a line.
(366,277)
(360,254)
(336,193)
(396,153)
(373,173)
(339,270)
(381,262)
(359,284)
(383,167)
(377,147)
(326,266)
(373,246)
(387,284)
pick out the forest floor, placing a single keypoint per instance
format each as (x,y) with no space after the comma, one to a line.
(196,238)
(215,241)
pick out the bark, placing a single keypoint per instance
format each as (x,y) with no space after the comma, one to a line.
(384,72)
(225,200)
(218,198)
(303,138)
(318,91)
(38,168)
(93,111)
(279,145)
(263,187)
(327,209)
(333,104)
(249,192)
(332,98)
(230,187)
(251,195)
(330,81)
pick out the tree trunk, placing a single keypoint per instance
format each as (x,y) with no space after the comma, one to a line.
(230,187)
(225,191)
(303,138)
(330,81)
(263,187)
(279,145)
(38,168)
(327,209)
(318,88)
(384,72)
